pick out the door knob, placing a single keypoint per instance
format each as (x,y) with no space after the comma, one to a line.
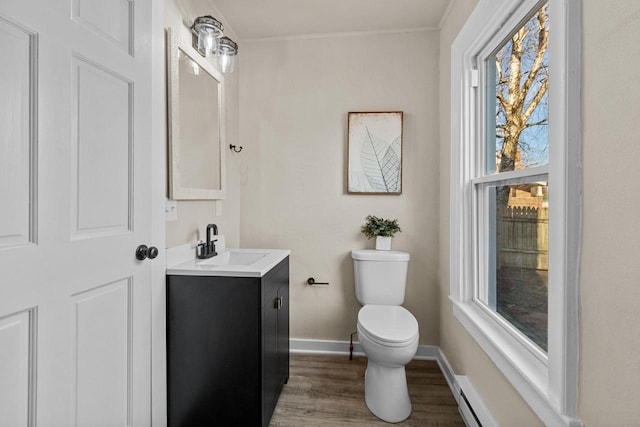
(143,252)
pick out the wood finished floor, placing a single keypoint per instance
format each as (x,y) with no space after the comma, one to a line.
(329,391)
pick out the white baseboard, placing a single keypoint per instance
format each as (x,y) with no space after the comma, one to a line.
(448,373)
(425,352)
(304,346)
(475,413)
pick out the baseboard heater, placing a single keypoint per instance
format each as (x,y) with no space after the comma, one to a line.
(470,405)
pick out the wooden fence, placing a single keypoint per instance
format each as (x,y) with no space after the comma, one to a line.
(523,238)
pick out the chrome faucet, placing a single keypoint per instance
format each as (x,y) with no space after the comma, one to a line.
(208,249)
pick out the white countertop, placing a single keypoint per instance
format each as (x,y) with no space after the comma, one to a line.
(181,260)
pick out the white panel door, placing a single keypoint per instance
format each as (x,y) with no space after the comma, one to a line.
(75,202)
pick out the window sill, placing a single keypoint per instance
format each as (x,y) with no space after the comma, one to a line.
(525,371)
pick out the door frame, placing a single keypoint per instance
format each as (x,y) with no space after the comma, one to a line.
(158,189)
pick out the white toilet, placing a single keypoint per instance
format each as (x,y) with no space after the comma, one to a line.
(387,331)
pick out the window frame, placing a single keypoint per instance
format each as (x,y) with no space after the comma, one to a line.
(547,382)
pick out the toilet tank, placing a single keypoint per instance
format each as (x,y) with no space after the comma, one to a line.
(380,276)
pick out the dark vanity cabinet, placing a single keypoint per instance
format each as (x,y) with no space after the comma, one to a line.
(227,348)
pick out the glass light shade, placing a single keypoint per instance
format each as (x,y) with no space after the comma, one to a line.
(227,51)
(207,42)
(208,30)
(226,62)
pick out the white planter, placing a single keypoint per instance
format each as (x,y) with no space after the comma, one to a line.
(383,243)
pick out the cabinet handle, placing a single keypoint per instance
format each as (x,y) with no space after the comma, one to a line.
(277,304)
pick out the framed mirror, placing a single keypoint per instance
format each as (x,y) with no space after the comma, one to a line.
(195,124)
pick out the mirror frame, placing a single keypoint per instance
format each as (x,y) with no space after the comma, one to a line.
(176,190)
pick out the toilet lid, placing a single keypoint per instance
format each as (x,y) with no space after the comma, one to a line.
(388,323)
(380,256)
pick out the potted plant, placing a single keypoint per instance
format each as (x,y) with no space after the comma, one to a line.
(382,229)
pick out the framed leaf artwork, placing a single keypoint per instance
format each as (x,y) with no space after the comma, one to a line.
(375,153)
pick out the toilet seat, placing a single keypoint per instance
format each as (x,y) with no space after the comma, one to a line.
(388,325)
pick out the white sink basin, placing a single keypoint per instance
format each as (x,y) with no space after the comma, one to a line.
(233,257)
(229,262)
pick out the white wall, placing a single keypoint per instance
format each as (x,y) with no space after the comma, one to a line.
(194,215)
(609,286)
(294,99)
(610,268)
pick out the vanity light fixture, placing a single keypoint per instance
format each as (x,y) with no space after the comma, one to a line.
(211,41)
(208,30)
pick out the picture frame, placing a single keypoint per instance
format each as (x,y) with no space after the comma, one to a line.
(375,145)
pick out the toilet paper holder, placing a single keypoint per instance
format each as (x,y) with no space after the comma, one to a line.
(312,281)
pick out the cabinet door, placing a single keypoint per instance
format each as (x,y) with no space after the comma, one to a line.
(270,377)
(275,338)
(283,333)
(213,351)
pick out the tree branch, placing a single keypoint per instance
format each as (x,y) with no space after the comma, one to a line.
(499,69)
(541,122)
(535,101)
(502,100)
(543,39)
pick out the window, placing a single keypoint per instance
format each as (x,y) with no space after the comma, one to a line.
(515,192)
(511,182)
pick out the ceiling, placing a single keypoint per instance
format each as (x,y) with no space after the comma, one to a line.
(260,19)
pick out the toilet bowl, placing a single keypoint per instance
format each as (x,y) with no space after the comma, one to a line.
(387,331)
(389,338)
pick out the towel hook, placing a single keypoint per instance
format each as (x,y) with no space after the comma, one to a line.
(233,147)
